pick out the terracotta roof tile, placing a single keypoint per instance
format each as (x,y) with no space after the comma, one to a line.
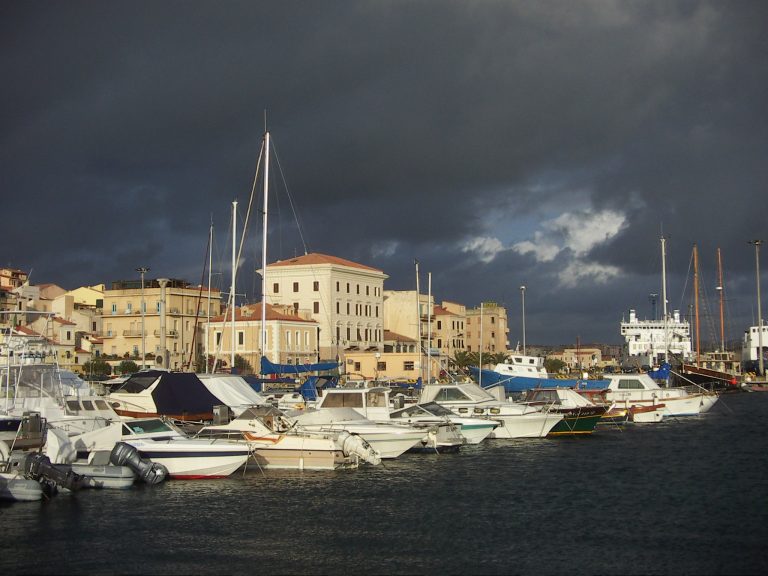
(314,258)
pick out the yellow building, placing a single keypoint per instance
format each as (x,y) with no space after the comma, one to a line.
(487,324)
(291,337)
(173,320)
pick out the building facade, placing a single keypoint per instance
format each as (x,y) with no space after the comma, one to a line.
(173,321)
(344,298)
(291,337)
(487,329)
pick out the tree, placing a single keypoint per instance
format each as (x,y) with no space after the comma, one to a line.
(242,365)
(553,365)
(462,360)
(127,367)
(97,367)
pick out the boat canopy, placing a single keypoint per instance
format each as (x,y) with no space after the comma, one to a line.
(268,367)
(174,393)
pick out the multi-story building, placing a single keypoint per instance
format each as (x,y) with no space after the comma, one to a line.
(291,337)
(487,324)
(344,298)
(12,278)
(173,319)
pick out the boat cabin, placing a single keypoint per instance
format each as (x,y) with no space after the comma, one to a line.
(372,403)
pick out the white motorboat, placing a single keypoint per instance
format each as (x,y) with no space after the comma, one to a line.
(389,440)
(374,404)
(517,420)
(275,443)
(640,389)
(159,441)
(474,430)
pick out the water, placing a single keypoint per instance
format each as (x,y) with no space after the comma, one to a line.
(681,497)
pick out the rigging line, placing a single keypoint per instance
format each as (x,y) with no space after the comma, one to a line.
(299,225)
(199,299)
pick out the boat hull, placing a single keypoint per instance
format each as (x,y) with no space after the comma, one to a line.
(297,459)
(578,421)
(16,488)
(191,462)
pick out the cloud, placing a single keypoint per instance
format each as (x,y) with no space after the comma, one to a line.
(484,247)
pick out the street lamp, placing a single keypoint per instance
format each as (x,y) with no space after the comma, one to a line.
(142,271)
(756,244)
(522,294)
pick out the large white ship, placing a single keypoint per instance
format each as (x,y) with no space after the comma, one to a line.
(648,342)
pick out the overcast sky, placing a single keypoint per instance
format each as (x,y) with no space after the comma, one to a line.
(540,143)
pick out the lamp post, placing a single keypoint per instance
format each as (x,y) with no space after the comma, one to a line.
(756,244)
(143,270)
(522,295)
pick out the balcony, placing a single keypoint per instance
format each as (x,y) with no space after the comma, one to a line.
(168,333)
(133,333)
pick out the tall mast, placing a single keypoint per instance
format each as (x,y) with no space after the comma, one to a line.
(664,294)
(480,372)
(721,289)
(429,326)
(208,313)
(696,300)
(264,251)
(234,282)
(418,321)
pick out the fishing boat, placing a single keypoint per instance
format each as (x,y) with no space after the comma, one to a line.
(521,372)
(640,389)
(276,444)
(580,415)
(516,420)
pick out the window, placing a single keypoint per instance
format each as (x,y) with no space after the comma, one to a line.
(367,290)
(343,400)
(288,339)
(316,307)
(381,366)
(69,335)
(357,367)
(338,288)
(408,366)
(347,287)
(347,307)
(114,308)
(240,338)
(358,288)
(316,286)
(218,338)
(295,286)
(276,288)
(129,308)
(338,307)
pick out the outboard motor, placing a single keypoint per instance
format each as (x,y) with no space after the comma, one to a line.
(38,467)
(124,454)
(353,444)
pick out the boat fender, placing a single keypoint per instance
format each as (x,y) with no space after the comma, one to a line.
(124,454)
(5,452)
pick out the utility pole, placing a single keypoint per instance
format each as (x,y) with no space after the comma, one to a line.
(143,270)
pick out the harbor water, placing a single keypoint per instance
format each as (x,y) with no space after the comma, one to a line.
(685,496)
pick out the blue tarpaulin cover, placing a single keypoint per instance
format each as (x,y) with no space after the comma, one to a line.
(268,367)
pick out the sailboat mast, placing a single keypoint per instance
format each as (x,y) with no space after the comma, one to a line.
(429,327)
(264,250)
(234,282)
(664,294)
(418,321)
(208,313)
(721,288)
(696,300)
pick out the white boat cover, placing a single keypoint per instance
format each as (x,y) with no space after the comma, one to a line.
(233,391)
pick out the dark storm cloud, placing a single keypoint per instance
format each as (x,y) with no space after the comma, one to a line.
(404,130)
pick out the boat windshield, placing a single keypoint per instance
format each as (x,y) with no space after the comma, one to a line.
(147,426)
(437,410)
